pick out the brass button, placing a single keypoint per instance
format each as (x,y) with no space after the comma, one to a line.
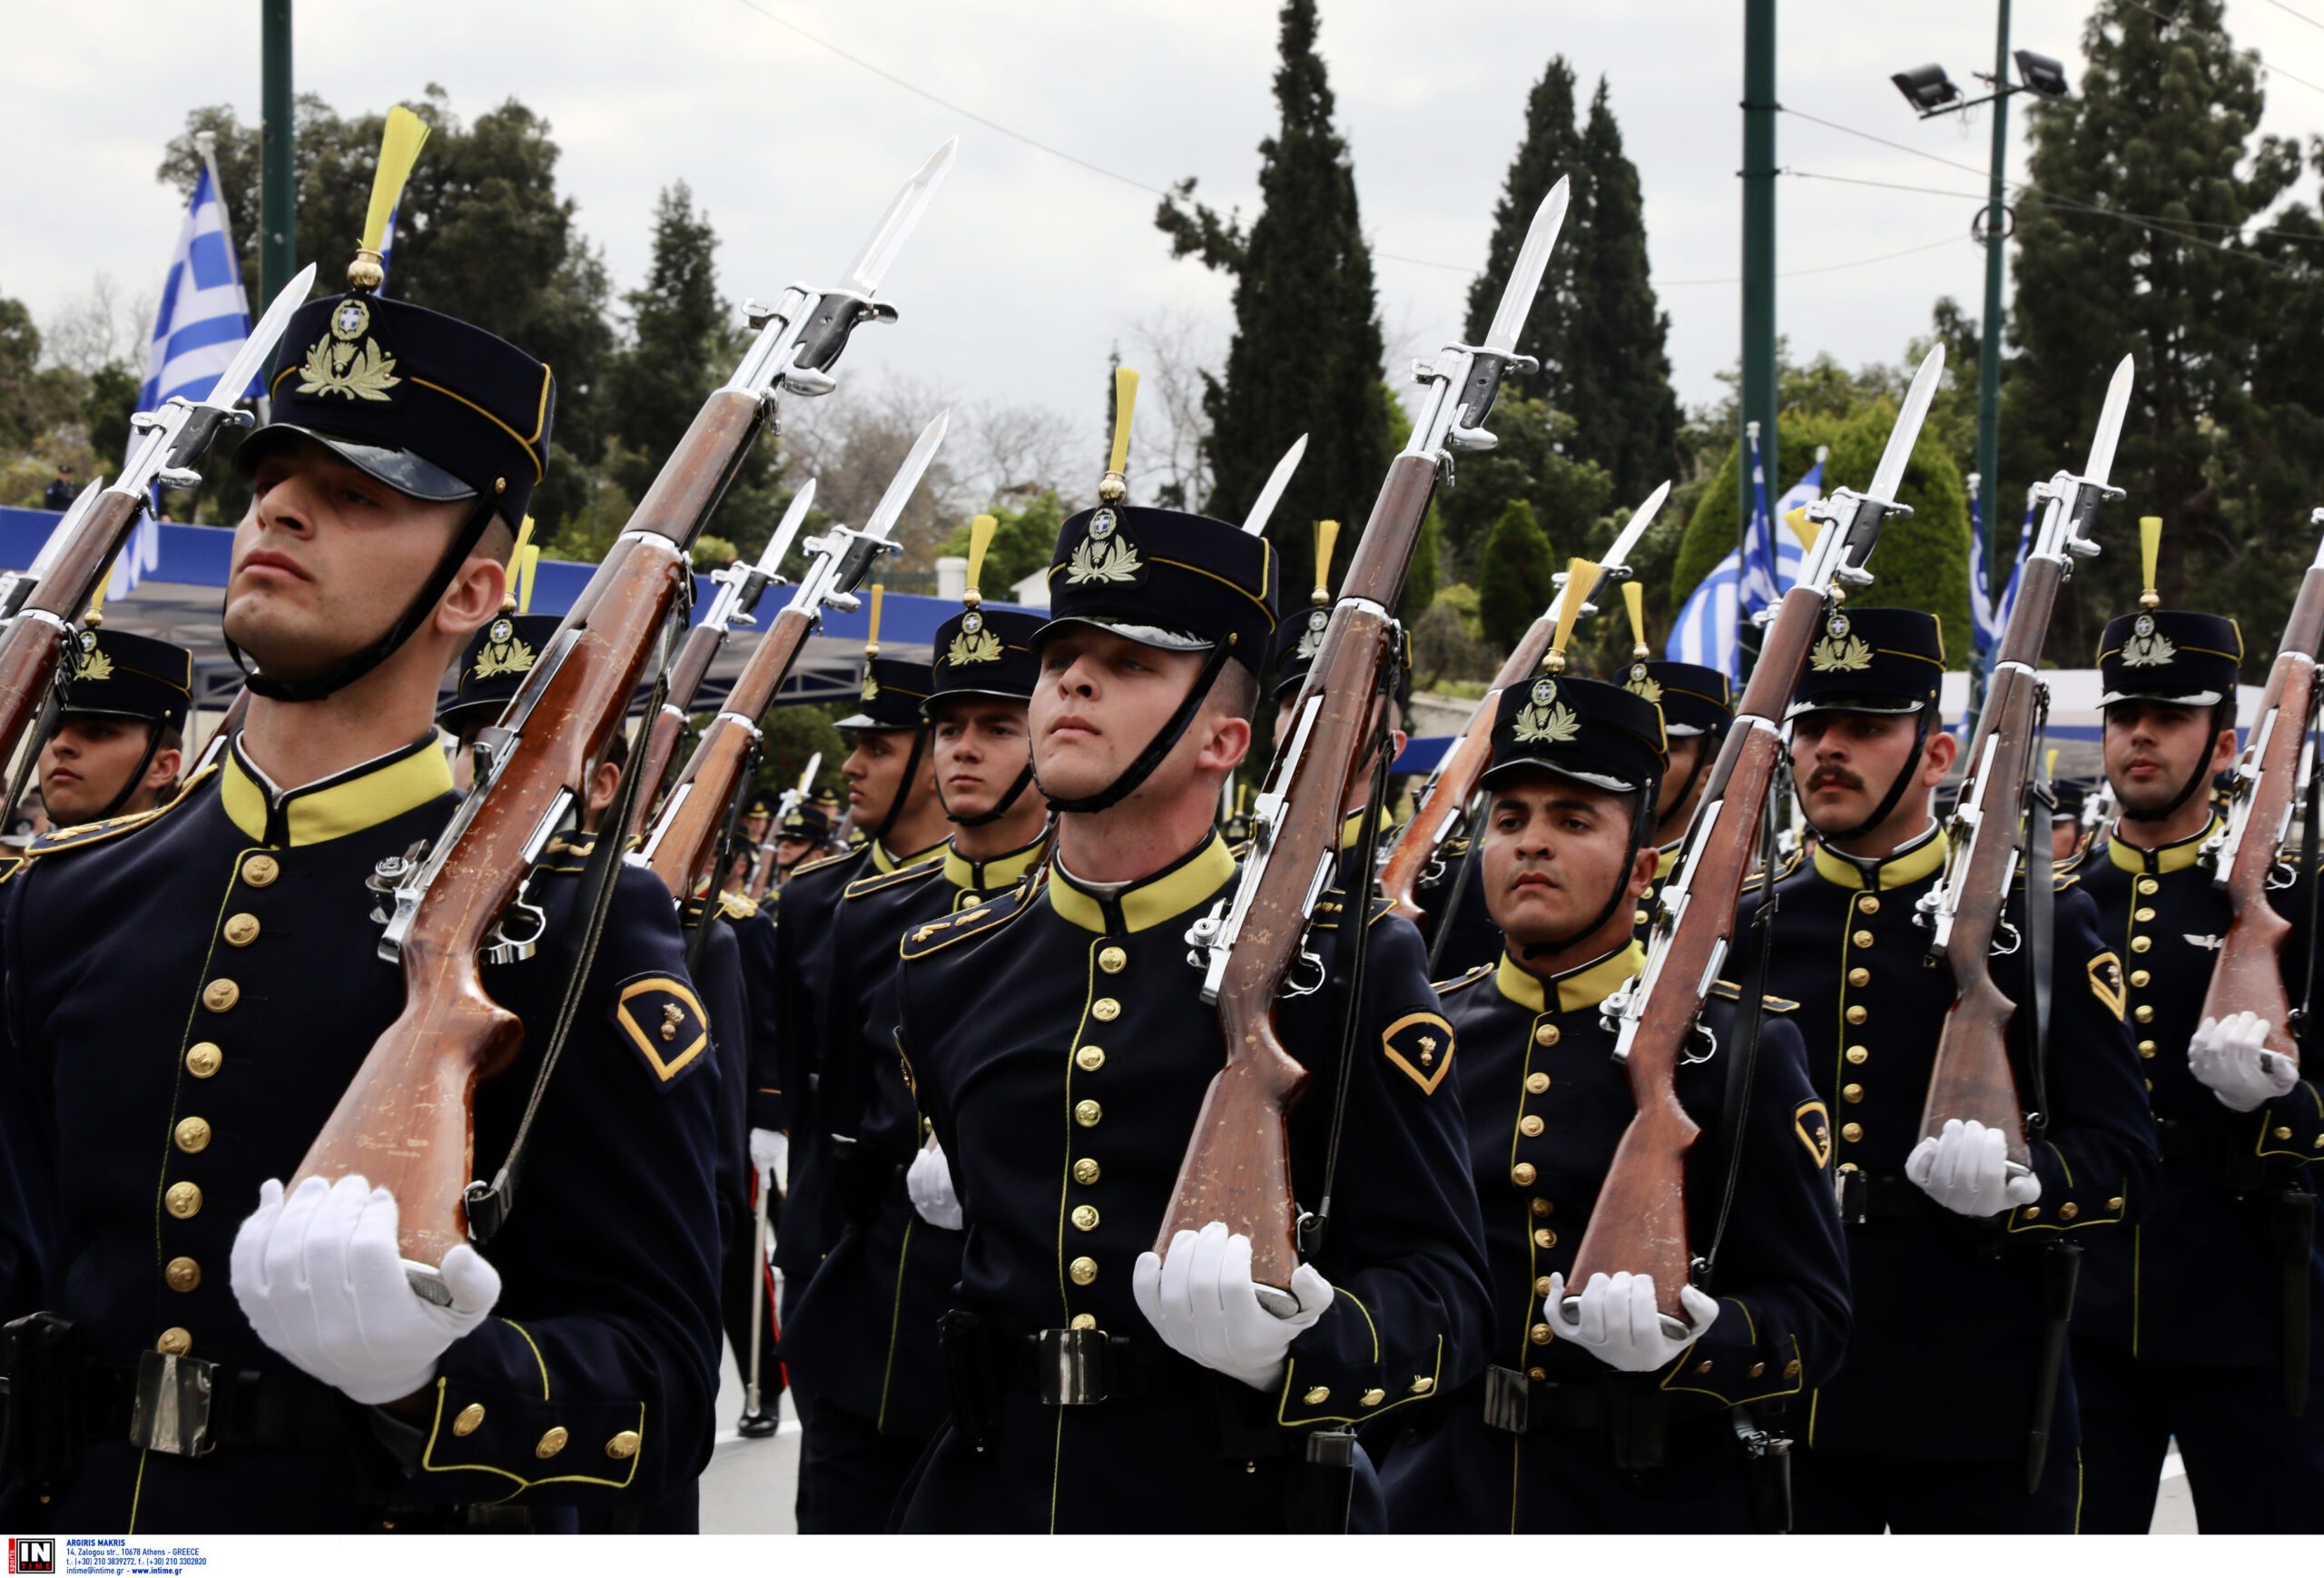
(1085,1217)
(1106,1010)
(202,1057)
(1538,1372)
(1703,1368)
(1531,1124)
(1085,1321)
(183,1273)
(183,1199)
(1638,917)
(1852,1132)
(1546,1238)
(1791,1371)
(2032,1213)
(1857,1054)
(220,995)
(1859,976)
(1867,904)
(1111,959)
(1542,1334)
(2143,914)
(1862,939)
(1851,1093)
(241,929)
(176,1340)
(1315,1394)
(1087,1113)
(1084,1271)
(2140,978)
(1089,1060)
(2069,1212)
(2149,885)
(550,1444)
(1857,1014)
(2115,1204)
(2144,1013)
(2146,1048)
(1086,1171)
(2141,944)
(1535,1083)
(1372,1397)
(623,1445)
(1543,1207)
(1522,1174)
(1540,1288)
(261,870)
(467,1420)
(193,1134)
(1423,1385)
(1756,1371)
(1545,1035)
(2283,1132)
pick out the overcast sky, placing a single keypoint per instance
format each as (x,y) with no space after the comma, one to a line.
(1029,267)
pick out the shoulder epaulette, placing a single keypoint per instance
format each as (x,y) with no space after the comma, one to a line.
(876,880)
(1732,992)
(853,852)
(1784,868)
(936,935)
(66,839)
(575,851)
(1334,900)
(737,906)
(2073,862)
(1460,981)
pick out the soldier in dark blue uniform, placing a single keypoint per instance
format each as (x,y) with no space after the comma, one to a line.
(188,992)
(806,834)
(861,1341)
(2182,1329)
(1697,706)
(120,735)
(1602,1419)
(1926,1425)
(1057,1041)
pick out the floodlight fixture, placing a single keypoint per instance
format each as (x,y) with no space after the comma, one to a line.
(1927,89)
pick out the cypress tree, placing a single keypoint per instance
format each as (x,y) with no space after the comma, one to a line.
(1307,349)
(1618,370)
(1550,149)
(1517,577)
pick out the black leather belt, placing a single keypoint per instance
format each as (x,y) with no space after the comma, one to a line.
(189,1407)
(1518,1404)
(1867,1197)
(1075,1368)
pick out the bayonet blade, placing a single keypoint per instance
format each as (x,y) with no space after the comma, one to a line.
(228,390)
(1525,275)
(1907,430)
(1620,554)
(907,477)
(1256,523)
(807,778)
(787,530)
(896,224)
(2110,423)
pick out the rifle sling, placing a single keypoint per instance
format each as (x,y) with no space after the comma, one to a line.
(1743,1056)
(1472,819)
(722,851)
(2307,840)
(2041,941)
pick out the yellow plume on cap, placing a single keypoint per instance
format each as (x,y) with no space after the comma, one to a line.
(399,148)
(516,596)
(1327,538)
(1634,599)
(1803,526)
(2149,549)
(2050,764)
(1581,578)
(526,570)
(980,532)
(96,614)
(1115,486)
(872,631)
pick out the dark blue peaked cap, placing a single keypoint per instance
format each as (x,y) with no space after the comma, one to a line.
(1166,577)
(1872,660)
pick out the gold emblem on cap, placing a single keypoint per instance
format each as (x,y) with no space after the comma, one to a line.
(502,652)
(2147,648)
(94,663)
(336,367)
(1840,653)
(972,643)
(1544,720)
(1103,556)
(1644,685)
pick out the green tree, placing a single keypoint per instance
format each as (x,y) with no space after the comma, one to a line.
(1550,149)
(111,401)
(25,403)
(1532,462)
(1306,353)
(1022,541)
(1517,577)
(1618,371)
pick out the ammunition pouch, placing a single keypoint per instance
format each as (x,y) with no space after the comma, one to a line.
(1322,1490)
(41,1435)
(2291,1223)
(1885,1197)
(1766,1472)
(1629,1416)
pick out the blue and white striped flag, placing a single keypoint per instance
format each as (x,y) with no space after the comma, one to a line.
(1707,629)
(1989,612)
(203,319)
(1758,587)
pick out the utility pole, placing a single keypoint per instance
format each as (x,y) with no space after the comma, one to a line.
(1758,393)
(277,229)
(1989,355)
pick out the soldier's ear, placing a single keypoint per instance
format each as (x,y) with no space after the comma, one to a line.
(1936,761)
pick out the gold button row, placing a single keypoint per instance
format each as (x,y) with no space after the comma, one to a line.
(1087,1113)
(261,870)
(1084,1271)
(1086,1218)
(2149,885)
(1086,1171)
(183,1273)
(241,929)
(1111,960)
(1852,1132)
(1857,1054)
(1867,904)
(183,1200)
(1522,1174)
(1859,976)
(1089,1060)
(220,995)
(1106,1010)
(1862,939)
(192,1134)
(203,1059)
(1536,1083)
(176,1340)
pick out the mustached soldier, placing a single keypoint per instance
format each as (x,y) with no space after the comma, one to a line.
(120,737)
(1601,1417)
(2180,1330)
(1058,1043)
(1945,1241)
(861,1343)
(190,992)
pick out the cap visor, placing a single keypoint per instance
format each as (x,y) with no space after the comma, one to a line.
(1877,707)
(1502,771)
(398,468)
(2191,698)
(1144,635)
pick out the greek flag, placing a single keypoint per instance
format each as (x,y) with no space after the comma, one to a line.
(1758,587)
(1990,613)
(203,319)
(1708,628)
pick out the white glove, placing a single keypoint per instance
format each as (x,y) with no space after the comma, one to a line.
(1615,1318)
(928,1184)
(319,1278)
(770,1153)
(1965,1169)
(2230,1056)
(1203,1303)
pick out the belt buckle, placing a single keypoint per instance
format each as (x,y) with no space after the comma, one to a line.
(172,1413)
(1069,1366)
(1508,1400)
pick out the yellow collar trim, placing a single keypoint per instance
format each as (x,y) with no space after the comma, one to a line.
(1155,901)
(1587,987)
(1922,861)
(1002,870)
(2162,861)
(1352,830)
(379,791)
(888,863)
(1666,860)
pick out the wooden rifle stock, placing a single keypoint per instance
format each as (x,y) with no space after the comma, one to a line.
(2247,976)
(32,646)
(1237,1167)
(1455,783)
(661,733)
(406,1121)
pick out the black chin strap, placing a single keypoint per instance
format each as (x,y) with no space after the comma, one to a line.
(1694,775)
(2200,777)
(1641,827)
(1888,802)
(1024,780)
(415,613)
(136,774)
(1140,770)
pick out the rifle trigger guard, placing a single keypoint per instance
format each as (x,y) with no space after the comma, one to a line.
(503,949)
(2281,876)
(1709,1037)
(1296,985)
(2017,939)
